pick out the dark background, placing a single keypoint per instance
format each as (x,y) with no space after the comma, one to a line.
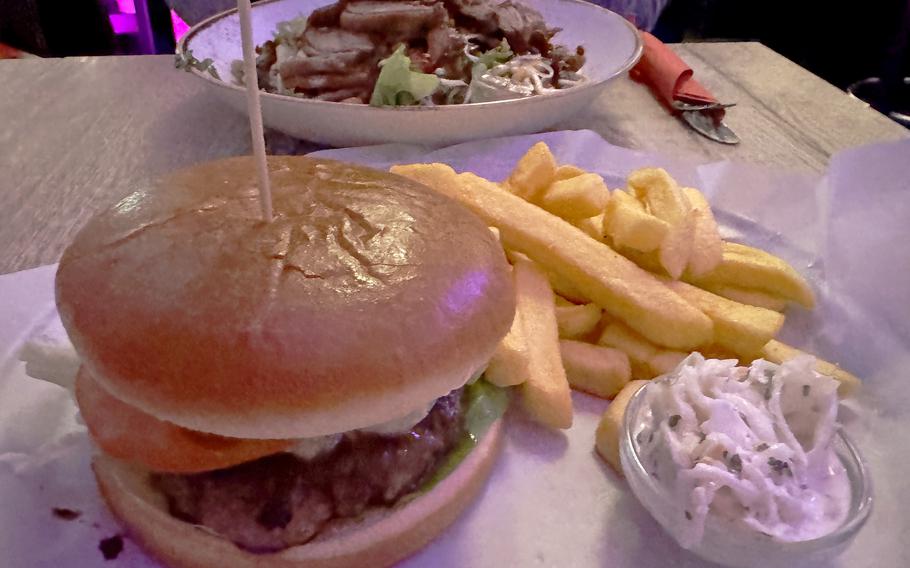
(837,40)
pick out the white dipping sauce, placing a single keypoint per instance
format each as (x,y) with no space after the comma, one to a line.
(752,446)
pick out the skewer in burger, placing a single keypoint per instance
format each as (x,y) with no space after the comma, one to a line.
(296,393)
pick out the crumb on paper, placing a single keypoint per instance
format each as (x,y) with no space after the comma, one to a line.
(66,514)
(111,547)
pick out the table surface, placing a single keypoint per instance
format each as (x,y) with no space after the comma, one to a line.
(77,132)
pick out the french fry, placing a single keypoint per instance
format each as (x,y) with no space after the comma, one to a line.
(567,171)
(638,349)
(660,192)
(510,364)
(665,361)
(742,329)
(645,260)
(778,352)
(629,225)
(440,177)
(718,352)
(748,296)
(667,201)
(707,246)
(646,359)
(563,287)
(649,261)
(599,273)
(578,197)
(593,226)
(577,321)
(601,371)
(545,394)
(533,173)
(748,267)
(606,439)
(676,249)
(563,302)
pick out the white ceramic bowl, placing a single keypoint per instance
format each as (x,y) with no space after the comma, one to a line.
(722,543)
(612,47)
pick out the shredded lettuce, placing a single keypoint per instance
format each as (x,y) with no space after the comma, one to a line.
(485,404)
(496,56)
(288,32)
(398,84)
(483,87)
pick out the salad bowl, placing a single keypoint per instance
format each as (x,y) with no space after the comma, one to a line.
(612,46)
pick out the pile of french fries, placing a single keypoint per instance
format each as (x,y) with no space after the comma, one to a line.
(617,287)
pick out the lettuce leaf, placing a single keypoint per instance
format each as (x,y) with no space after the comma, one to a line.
(496,56)
(398,84)
(485,403)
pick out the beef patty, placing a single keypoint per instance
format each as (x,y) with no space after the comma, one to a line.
(282,500)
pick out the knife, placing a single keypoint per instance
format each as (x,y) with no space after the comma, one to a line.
(671,81)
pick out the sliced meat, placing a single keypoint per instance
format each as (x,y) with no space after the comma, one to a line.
(327,16)
(521,25)
(479,15)
(345,95)
(281,500)
(399,20)
(339,62)
(443,43)
(265,58)
(419,59)
(332,40)
(524,28)
(329,82)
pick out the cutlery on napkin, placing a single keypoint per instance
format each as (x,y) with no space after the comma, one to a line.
(671,81)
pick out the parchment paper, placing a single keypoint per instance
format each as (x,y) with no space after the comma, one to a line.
(550,501)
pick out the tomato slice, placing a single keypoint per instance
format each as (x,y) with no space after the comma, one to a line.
(125,432)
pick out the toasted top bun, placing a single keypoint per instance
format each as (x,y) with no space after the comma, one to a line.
(381,537)
(368,296)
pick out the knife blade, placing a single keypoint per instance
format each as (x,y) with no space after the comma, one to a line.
(705,124)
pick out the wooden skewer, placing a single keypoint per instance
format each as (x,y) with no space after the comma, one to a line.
(254,109)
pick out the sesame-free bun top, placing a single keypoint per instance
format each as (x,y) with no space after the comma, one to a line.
(367,297)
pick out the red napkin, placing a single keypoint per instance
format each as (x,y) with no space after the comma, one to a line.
(668,76)
(10,52)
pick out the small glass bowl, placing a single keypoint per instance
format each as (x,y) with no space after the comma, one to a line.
(744,548)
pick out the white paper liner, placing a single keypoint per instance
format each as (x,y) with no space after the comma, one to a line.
(551,501)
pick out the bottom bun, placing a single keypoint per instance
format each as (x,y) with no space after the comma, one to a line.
(380,538)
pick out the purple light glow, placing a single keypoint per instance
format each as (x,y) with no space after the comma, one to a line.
(465,290)
(123,23)
(180,27)
(126,6)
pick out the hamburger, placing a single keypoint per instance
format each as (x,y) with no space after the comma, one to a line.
(297,393)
